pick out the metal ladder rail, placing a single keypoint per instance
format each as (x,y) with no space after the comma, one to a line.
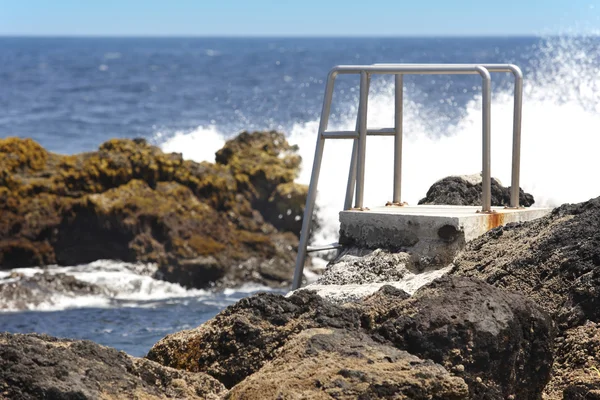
(516,145)
(361,135)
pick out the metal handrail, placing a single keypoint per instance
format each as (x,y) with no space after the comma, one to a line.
(517,120)
(357,164)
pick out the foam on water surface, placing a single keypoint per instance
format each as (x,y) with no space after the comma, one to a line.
(121,284)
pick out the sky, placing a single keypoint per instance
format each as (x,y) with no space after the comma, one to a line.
(297,17)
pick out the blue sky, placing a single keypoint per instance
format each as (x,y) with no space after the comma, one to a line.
(297,17)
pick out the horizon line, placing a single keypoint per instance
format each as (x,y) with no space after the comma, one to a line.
(286,36)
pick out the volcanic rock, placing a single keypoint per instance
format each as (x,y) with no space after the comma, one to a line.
(553,260)
(243,337)
(42,367)
(466,191)
(329,363)
(499,342)
(130,201)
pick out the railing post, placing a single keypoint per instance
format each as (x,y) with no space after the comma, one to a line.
(397,196)
(516,153)
(314,181)
(362,138)
(353,161)
(351,174)
(486,139)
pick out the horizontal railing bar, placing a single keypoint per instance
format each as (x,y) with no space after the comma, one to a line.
(330,246)
(490,67)
(354,135)
(391,69)
(340,135)
(382,132)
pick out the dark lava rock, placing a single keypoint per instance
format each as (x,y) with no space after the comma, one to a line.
(21,292)
(42,367)
(553,260)
(132,202)
(242,338)
(498,341)
(332,364)
(458,191)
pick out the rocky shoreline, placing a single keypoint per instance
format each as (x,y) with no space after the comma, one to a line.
(205,224)
(514,316)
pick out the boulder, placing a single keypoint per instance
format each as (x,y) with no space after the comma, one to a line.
(466,191)
(330,363)
(42,367)
(553,260)
(200,222)
(242,338)
(499,342)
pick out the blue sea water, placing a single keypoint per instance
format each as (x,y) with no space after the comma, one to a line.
(70,94)
(191,94)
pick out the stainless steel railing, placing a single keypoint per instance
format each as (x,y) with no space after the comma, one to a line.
(356,175)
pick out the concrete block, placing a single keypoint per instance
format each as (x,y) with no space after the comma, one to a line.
(436,232)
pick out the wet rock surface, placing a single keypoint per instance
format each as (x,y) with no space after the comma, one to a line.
(358,267)
(466,191)
(42,367)
(355,273)
(132,202)
(329,363)
(19,292)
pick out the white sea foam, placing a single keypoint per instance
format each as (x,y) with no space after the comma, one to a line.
(123,284)
(199,145)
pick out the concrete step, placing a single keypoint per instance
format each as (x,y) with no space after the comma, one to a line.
(426,231)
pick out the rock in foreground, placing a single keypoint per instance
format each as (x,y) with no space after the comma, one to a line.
(132,202)
(243,337)
(466,191)
(498,343)
(576,369)
(43,367)
(553,260)
(329,363)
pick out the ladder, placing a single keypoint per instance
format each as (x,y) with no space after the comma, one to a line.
(356,174)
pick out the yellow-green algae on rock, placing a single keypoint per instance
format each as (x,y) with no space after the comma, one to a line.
(130,201)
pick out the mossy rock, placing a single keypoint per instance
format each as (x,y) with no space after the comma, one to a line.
(130,201)
(21,154)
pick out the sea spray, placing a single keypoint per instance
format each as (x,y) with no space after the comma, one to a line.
(560,136)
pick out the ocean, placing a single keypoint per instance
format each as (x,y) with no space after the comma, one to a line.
(189,95)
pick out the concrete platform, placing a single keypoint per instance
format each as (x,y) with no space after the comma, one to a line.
(427,231)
